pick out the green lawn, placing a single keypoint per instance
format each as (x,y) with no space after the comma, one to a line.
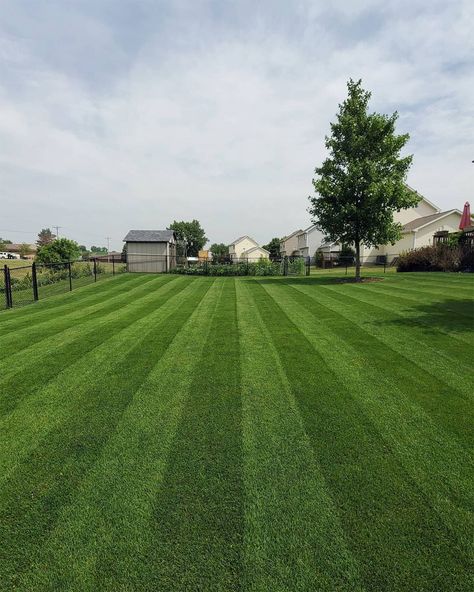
(276,434)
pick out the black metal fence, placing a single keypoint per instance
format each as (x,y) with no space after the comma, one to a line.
(243,266)
(25,284)
(344,262)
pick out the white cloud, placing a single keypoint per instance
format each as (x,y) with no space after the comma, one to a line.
(225,123)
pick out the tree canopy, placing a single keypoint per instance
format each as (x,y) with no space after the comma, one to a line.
(191,237)
(59,250)
(45,236)
(219,250)
(362,182)
(274,248)
(25,249)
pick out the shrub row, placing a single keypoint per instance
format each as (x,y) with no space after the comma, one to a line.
(437,258)
(257,268)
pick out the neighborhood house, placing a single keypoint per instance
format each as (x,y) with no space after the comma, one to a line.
(289,244)
(151,251)
(245,248)
(419,224)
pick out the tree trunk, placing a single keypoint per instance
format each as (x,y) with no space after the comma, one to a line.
(357,250)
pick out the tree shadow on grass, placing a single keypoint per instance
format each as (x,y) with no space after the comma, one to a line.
(450,315)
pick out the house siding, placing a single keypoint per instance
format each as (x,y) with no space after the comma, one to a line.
(236,250)
(424,236)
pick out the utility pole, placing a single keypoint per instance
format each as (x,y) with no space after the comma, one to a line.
(108,247)
(57,230)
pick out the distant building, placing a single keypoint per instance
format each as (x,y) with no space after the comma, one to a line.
(151,251)
(289,244)
(16,248)
(245,248)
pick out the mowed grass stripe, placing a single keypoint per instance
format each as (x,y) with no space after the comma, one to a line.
(423,313)
(102,536)
(32,498)
(21,317)
(45,360)
(42,409)
(15,342)
(436,384)
(383,514)
(293,538)
(445,354)
(73,305)
(434,459)
(198,520)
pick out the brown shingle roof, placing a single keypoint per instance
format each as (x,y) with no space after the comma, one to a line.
(415,224)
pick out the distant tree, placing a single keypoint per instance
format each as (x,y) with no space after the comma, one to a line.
(191,237)
(124,252)
(61,249)
(274,248)
(362,182)
(3,243)
(45,236)
(99,250)
(83,248)
(219,250)
(25,249)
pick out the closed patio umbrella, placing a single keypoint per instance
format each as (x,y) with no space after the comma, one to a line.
(466,217)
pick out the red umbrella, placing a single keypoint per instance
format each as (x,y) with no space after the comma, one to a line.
(466,217)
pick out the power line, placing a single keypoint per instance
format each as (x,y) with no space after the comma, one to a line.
(57,230)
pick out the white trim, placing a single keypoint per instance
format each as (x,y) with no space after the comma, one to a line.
(423,198)
(448,213)
(240,239)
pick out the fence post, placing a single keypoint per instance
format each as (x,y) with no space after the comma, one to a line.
(95,270)
(8,288)
(113,264)
(385,264)
(308,266)
(35,280)
(70,275)
(285,265)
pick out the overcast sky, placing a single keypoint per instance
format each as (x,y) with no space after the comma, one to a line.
(129,114)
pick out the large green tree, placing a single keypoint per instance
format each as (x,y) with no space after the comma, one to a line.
(191,237)
(219,250)
(362,182)
(58,251)
(274,248)
(45,236)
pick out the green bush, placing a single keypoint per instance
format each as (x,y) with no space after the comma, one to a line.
(263,267)
(435,258)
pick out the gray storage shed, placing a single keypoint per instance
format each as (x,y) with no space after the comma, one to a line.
(151,251)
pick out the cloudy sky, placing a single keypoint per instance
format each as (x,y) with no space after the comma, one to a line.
(129,114)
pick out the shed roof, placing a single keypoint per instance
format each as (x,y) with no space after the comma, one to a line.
(149,236)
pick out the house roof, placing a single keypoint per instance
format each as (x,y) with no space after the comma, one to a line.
(285,238)
(257,248)
(423,198)
(17,246)
(418,223)
(149,236)
(241,238)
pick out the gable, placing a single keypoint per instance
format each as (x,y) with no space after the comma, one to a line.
(243,239)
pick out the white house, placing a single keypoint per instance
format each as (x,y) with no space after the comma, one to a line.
(309,241)
(419,224)
(246,247)
(289,244)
